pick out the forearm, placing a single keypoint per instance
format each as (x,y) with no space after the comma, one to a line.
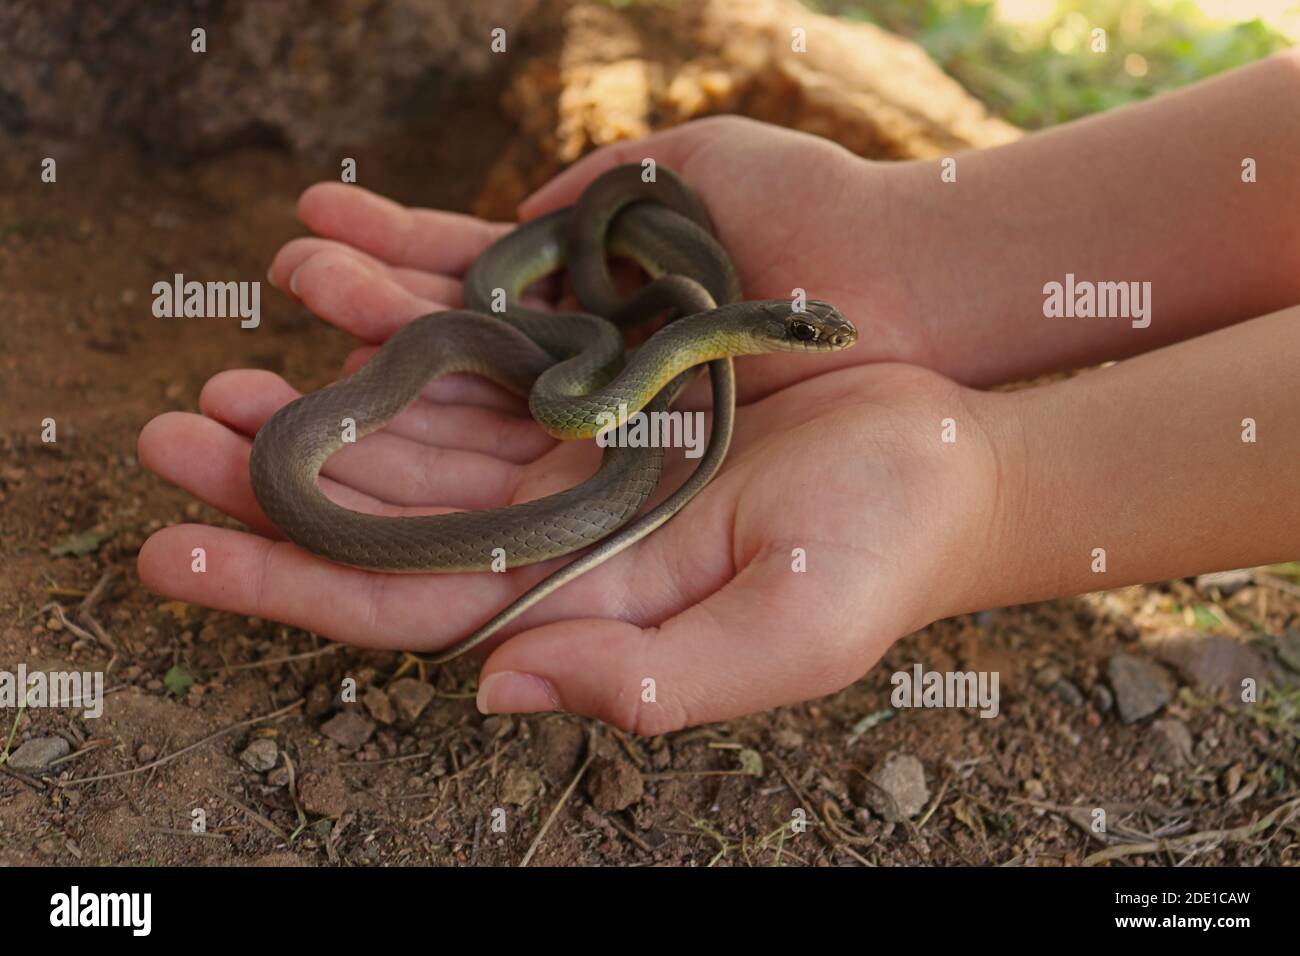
(1146,461)
(1149,193)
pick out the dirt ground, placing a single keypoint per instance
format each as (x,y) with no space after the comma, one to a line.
(1218,781)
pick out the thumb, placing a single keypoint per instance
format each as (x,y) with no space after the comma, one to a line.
(754,644)
(672,147)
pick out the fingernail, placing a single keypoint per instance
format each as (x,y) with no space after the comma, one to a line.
(293,282)
(510,692)
(270,278)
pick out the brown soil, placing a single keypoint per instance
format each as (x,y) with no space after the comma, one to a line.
(77,260)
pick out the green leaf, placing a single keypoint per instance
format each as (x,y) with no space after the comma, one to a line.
(178,681)
(82,542)
(1205,618)
(751,761)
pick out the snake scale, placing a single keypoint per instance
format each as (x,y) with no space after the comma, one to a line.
(572,368)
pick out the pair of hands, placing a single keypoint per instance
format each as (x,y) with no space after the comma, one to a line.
(838,455)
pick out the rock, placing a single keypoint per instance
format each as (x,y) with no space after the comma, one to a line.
(1171,742)
(613,784)
(899,792)
(279,777)
(146,753)
(1035,790)
(410,696)
(1225,582)
(1101,698)
(519,786)
(378,705)
(590,75)
(38,753)
(1215,663)
(323,792)
(320,700)
(1068,694)
(348,729)
(260,755)
(1141,687)
(561,742)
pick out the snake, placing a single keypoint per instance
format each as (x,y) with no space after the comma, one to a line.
(572,368)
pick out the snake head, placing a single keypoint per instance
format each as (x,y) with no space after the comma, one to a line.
(818,327)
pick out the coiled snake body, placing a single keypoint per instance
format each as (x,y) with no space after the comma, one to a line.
(570,365)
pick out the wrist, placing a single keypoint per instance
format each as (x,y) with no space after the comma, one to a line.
(1149,470)
(919,263)
(966,486)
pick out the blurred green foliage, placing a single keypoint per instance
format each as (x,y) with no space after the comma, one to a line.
(1040,71)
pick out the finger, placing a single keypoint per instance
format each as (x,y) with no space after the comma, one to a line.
(243,400)
(461,388)
(277,580)
(384,467)
(756,643)
(428,239)
(672,147)
(346,292)
(424,285)
(210,461)
(206,459)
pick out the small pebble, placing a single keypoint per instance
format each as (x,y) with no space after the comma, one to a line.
(260,755)
(1141,687)
(1068,694)
(348,729)
(323,793)
(38,753)
(900,791)
(410,696)
(614,784)
(1172,742)
(378,705)
(320,700)
(519,785)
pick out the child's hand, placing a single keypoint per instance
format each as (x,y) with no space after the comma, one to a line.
(793,212)
(843,475)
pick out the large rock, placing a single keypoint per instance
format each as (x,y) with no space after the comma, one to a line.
(316,75)
(329,77)
(602,74)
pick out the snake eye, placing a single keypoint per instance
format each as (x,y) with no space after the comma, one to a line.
(803,331)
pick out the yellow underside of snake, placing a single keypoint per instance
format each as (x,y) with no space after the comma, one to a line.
(572,368)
